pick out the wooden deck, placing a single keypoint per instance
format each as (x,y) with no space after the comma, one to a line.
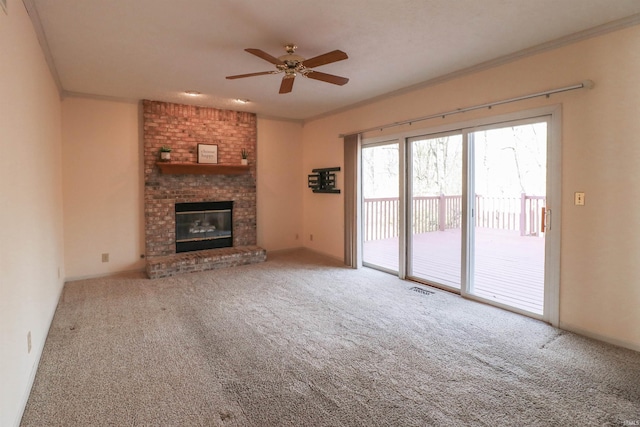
(509,268)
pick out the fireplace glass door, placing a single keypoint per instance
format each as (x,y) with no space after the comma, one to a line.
(203,226)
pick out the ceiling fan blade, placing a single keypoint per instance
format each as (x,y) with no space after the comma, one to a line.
(329,78)
(287,84)
(327,58)
(264,55)
(261,73)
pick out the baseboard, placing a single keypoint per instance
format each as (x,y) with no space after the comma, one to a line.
(98,276)
(284,251)
(324,254)
(36,362)
(599,337)
(305,249)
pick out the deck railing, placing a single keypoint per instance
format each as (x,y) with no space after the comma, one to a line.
(439,213)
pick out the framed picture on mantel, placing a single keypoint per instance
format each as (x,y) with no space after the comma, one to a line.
(207,154)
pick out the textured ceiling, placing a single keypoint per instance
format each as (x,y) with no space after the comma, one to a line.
(157,49)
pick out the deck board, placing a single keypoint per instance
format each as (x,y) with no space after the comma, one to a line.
(509,268)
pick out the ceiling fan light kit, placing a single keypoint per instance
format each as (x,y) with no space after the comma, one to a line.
(292,65)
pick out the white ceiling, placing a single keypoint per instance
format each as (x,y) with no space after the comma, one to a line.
(157,49)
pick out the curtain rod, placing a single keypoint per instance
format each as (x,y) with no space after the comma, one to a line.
(587,84)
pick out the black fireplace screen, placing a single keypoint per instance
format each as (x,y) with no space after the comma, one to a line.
(203,225)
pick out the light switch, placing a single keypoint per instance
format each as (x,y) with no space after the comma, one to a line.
(579,199)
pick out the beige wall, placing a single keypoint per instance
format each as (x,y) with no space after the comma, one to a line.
(103,206)
(31,249)
(600,244)
(323,225)
(280,184)
(103,187)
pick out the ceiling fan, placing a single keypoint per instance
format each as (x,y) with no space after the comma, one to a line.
(292,65)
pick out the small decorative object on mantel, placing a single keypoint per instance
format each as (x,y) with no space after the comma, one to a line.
(165,153)
(245,160)
(207,154)
(324,181)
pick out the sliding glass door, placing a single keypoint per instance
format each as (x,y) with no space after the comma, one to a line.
(435,209)
(380,206)
(509,181)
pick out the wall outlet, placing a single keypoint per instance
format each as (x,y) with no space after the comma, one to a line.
(28,342)
(105,257)
(578,198)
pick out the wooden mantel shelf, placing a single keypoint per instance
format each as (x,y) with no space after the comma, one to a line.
(175,168)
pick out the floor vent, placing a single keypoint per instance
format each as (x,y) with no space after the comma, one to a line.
(422,291)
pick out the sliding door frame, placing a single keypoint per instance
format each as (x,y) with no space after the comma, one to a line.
(408,178)
(378,142)
(469,267)
(554,187)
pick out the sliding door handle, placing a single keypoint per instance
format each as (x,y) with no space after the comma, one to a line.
(545,220)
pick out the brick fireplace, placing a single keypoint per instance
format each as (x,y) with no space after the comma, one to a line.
(183,127)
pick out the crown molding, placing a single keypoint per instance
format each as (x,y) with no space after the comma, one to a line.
(70,94)
(32,11)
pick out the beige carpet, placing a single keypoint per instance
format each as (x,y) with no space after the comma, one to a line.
(302,341)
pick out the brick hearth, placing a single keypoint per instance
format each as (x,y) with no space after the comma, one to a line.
(183,127)
(190,262)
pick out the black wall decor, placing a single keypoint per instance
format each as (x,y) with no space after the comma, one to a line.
(324,180)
